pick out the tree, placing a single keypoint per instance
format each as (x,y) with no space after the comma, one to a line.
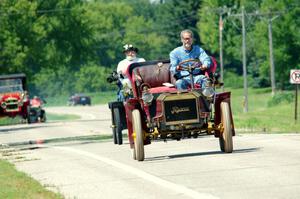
(172,17)
(17,35)
(140,32)
(91,78)
(53,82)
(286,43)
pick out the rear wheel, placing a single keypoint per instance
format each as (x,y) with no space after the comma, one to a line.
(139,137)
(113,126)
(43,116)
(29,117)
(225,138)
(118,127)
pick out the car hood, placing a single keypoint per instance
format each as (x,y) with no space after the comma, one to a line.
(16,95)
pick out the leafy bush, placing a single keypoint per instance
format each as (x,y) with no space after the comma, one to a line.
(281,97)
(260,82)
(54,81)
(233,80)
(92,78)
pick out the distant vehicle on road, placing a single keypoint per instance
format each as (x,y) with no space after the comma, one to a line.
(79,99)
(37,113)
(14,99)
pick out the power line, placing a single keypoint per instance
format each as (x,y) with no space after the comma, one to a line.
(270,17)
(18,12)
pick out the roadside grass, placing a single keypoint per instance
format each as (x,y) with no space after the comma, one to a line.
(10,121)
(262,117)
(50,117)
(15,184)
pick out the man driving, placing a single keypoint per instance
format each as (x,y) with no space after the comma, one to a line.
(185,52)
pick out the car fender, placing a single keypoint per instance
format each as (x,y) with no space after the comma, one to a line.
(130,105)
(222,97)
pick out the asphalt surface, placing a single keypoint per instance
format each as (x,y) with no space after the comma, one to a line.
(261,166)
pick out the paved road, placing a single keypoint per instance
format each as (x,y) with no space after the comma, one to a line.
(94,120)
(261,166)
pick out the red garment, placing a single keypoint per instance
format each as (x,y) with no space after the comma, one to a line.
(36,102)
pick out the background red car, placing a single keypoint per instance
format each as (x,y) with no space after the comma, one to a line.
(14,100)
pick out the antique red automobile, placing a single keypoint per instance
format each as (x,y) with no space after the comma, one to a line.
(14,100)
(158,110)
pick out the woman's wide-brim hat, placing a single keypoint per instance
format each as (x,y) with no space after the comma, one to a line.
(130,47)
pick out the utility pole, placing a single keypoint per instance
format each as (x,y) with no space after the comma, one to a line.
(272,67)
(271,54)
(245,100)
(271,57)
(221,11)
(244,63)
(221,26)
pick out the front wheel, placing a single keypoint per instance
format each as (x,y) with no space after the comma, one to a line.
(138,135)
(133,153)
(28,116)
(225,139)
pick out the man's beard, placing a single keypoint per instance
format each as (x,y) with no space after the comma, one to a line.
(130,58)
(187,45)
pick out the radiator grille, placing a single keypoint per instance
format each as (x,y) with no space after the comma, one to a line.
(180,110)
(11,107)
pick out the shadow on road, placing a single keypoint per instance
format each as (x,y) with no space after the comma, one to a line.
(28,127)
(31,126)
(248,150)
(80,120)
(63,141)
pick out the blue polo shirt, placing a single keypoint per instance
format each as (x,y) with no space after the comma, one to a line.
(180,54)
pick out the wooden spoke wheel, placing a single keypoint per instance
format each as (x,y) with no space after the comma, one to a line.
(139,137)
(225,139)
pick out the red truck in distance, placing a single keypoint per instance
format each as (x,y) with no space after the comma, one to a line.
(14,99)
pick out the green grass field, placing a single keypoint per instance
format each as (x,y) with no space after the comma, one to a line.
(50,117)
(16,184)
(262,116)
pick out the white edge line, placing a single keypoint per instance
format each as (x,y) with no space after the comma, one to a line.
(144,175)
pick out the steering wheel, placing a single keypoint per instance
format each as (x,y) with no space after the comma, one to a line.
(195,63)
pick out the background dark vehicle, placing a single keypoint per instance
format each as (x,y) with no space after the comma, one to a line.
(14,100)
(162,112)
(79,99)
(37,113)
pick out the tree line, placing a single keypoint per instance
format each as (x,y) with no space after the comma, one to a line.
(67,46)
